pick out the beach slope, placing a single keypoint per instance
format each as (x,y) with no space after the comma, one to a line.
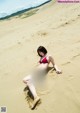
(57,27)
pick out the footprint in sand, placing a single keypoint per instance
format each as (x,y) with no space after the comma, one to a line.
(79,15)
(62,25)
(19,42)
(42,33)
(75,56)
(66,63)
(78,41)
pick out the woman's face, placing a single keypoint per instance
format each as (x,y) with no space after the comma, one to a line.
(41,54)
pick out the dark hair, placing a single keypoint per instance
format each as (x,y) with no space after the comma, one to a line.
(41,49)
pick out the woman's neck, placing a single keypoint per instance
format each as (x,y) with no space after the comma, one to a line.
(43,56)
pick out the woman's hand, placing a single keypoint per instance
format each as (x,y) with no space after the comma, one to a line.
(58,71)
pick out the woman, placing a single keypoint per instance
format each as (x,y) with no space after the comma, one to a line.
(44,62)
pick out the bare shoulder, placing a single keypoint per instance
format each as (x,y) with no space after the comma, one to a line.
(50,56)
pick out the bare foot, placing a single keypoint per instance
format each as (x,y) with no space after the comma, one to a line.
(35,103)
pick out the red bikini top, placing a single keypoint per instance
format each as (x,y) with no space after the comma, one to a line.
(44,60)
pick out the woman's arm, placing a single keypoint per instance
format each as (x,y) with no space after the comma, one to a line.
(58,71)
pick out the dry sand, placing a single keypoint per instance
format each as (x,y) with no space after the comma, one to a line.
(57,27)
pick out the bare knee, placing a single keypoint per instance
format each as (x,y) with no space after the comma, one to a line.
(27,79)
(24,81)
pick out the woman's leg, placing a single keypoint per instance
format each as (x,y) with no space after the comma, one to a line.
(31,86)
(27,80)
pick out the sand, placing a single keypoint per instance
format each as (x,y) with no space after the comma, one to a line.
(57,27)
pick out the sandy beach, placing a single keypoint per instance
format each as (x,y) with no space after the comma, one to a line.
(57,27)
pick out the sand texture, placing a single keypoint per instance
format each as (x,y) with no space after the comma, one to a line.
(57,27)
